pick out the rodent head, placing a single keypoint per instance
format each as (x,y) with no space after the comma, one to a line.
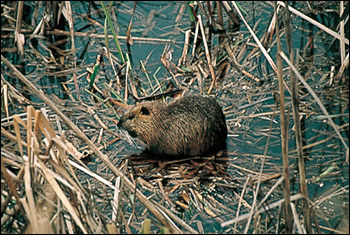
(139,120)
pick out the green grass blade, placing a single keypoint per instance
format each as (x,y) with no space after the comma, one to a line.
(113,32)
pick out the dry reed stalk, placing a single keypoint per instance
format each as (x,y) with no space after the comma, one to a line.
(314,22)
(220,20)
(318,101)
(59,32)
(316,143)
(342,35)
(272,189)
(220,205)
(131,82)
(247,170)
(195,38)
(230,12)
(4,91)
(37,215)
(237,65)
(271,29)
(240,201)
(284,132)
(19,37)
(146,74)
(165,62)
(176,219)
(254,208)
(261,210)
(166,197)
(30,112)
(61,195)
(335,231)
(30,208)
(129,40)
(262,48)
(296,119)
(183,58)
(301,229)
(103,157)
(207,54)
(12,186)
(68,14)
(343,66)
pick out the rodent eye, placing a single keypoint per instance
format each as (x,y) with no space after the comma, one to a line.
(145,111)
(131,117)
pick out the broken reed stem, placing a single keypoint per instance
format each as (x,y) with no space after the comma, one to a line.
(195,38)
(261,210)
(296,118)
(207,54)
(254,208)
(284,132)
(19,38)
(92,146)
(61,195)
(94,35)
(301,229)
(344,65)
(19,17)
(240,201)
(68,14)
(342,33)
(11,184)
(318,101)
(314,22)
(183,58)
(262,48)
(176,218)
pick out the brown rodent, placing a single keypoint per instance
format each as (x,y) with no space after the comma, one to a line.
(191,126)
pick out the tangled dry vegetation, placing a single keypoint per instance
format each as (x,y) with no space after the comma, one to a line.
(65,169)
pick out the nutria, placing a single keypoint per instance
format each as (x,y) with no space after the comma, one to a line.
(190,126)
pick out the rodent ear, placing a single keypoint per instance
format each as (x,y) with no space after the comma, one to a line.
(145,111)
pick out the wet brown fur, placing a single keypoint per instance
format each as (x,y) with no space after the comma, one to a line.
(192,125)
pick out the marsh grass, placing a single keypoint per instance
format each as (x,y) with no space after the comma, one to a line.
(65,168)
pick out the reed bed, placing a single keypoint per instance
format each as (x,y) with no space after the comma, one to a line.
(67,76)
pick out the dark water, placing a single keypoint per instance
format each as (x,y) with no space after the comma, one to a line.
(158,20)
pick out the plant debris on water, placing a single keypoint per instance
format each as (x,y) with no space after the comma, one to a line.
(69,70)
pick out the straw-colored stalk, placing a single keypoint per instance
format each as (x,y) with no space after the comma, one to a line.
(314,22)
(261,210)
(150,206)
(296,118)
(68,14)
(94,35)
(262,48)
(284,134)
(318,101)
(207,54)
(19,37)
